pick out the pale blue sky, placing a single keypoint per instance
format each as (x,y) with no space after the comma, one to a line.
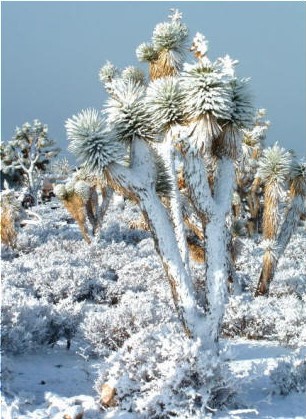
(52,53)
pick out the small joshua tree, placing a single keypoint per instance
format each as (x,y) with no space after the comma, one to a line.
(80,197)
(247,204)
(28,153)
(296,207)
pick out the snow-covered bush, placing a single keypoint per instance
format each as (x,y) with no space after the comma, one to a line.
(282,319)
(289,375)
(160,373)
(108,329)
(28,322)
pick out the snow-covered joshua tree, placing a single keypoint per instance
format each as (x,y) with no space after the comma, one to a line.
(29,152)
(296,207)
(192,114)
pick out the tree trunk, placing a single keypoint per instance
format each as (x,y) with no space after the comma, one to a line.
(271,211)
(218,269)
(107,194)
(92,210)
(254,205)
(138,181)
(168,153)
(216,276)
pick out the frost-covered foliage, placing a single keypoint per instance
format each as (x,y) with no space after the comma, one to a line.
(28,154)
(91,142)
(280,318)
(274,166)
(289,375)
(169,35)
(134,311)
(120,306)
(61,167)
(126,111)
(133,74)
(29,322)
(108,72)
(164,101)
(146,52)
(160,373)
(205,91)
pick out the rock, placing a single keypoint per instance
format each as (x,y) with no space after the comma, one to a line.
(108,394)
(74,412)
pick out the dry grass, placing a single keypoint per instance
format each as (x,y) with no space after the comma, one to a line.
(197,252)
(161,67)
(139,224)
(267,273)
(8,229)
(75,206)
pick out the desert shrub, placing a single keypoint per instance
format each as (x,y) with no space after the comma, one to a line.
(289,375)
(282,319)
(28,323)
(160,373)
(56,271)
(107,329)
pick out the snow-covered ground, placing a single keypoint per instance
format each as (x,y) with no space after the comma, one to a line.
(98,296)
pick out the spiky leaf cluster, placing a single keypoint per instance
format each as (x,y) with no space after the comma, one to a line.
(170,36)
(134,74)
(79,187)
(163,181)
(61,167)
(298,178)
(164,102)
(91,143)
(206,92)
(226,65)
(199,45)
(84,174)
(126,111)
(274,165)
(108,72)
(243,111)
(82,189)
(60,191)
(146,53)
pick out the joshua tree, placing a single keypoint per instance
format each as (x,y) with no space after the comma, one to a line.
(247,203)
(29,152)
(13,215)
(80,197)
(189,114)
(277,248)
(273,170)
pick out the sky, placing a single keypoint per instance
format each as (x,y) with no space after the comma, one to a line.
(51,53)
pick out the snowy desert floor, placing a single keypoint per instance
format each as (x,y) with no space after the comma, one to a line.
(108,299)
